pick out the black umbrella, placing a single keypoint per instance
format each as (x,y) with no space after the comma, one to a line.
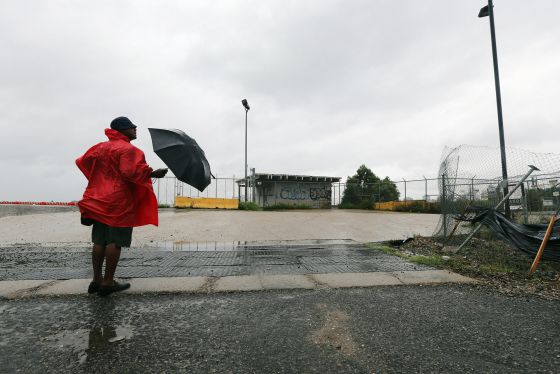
(183,156)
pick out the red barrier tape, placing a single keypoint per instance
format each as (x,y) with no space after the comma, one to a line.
(53,203)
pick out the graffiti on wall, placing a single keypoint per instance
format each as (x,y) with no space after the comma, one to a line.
(294,194)
(320,193)
(311,193)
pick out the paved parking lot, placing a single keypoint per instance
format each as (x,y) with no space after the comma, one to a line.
(187,226)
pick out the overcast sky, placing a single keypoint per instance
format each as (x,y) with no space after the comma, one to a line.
(331,84)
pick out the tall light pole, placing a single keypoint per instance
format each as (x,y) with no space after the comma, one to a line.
(486,11)
(246,106)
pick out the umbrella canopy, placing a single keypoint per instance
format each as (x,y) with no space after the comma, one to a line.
(183,156)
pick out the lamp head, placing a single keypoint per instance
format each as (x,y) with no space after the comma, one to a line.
(245,104)
(483,12)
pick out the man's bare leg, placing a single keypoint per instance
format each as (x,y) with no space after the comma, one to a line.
(97,257)
(112,256)
(108,285)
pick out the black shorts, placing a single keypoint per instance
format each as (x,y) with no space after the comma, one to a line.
(103,235)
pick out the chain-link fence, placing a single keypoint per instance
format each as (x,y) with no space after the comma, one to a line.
(470,177)
(425,189)
(166,189)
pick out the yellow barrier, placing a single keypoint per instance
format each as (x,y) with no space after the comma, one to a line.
(206,203)
(392,205)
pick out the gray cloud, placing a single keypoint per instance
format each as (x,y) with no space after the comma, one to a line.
(332,84)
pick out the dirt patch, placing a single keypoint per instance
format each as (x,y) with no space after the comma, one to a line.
(489,260)
(335,333)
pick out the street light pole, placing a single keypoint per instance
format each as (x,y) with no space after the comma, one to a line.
(484,12)
(246,106)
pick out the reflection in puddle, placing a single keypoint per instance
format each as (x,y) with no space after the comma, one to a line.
(197,246)
(86,342)
(184,246)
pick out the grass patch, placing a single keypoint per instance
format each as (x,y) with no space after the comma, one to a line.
(435,260)
(384,248)
(496,268)
(249,205)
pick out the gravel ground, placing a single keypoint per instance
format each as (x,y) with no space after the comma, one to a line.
(435,329)
(491,261)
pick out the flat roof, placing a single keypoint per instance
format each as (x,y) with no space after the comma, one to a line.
(291,177)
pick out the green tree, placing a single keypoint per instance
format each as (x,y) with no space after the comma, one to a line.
(364,188)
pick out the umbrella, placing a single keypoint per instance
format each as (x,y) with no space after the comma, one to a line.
(183,156)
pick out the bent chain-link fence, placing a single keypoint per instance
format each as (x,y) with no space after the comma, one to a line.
(470,177)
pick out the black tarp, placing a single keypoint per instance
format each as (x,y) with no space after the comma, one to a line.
(526,238)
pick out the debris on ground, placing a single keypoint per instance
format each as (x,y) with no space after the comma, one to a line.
(491,261)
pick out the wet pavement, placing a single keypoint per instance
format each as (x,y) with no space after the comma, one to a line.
(210,259)
(436,329)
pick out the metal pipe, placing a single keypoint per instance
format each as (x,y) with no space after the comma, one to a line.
(531,169)
(246,166)
(443,205)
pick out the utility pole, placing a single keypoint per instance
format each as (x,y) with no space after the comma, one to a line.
(488,11)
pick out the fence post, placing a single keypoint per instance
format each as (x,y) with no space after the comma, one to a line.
(524,202)
(404,193)
(443,205)
(166,188)
(339,202)
(253,182)
(216,179)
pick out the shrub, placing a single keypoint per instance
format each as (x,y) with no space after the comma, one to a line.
(249,205)
(418,207)
(365,204)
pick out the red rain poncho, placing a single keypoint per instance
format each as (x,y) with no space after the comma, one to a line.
(119,191)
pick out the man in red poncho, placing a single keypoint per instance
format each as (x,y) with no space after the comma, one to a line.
(118,197)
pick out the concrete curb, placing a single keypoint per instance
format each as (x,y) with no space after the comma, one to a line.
(34,288)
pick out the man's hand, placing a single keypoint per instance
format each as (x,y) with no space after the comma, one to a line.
(159,173)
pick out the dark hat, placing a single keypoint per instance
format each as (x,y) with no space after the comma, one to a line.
(122,123)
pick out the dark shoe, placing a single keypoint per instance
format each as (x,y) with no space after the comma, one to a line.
(93,287)
(115,287)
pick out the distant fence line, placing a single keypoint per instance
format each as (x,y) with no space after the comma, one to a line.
(168,188)
(482,192)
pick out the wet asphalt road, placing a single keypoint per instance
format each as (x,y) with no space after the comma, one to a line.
(446,328)
(311,257)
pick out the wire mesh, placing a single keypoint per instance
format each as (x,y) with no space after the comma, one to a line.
(470,177)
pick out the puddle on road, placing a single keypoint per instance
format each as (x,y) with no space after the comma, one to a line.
(184,246)
(96,339)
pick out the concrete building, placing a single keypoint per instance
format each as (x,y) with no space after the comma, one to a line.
(295,190)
